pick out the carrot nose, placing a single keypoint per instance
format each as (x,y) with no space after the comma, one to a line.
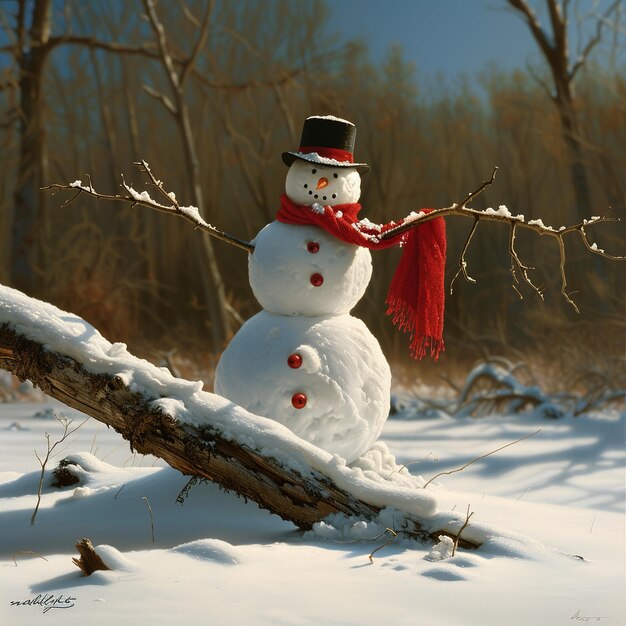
(321,183)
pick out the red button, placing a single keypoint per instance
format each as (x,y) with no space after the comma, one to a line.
(313,247)
(294,361)
(298,400)
(317,280)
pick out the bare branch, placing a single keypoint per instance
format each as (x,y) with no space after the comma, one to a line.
(157,95)
(190,213)
(535,27)
(540,81)
(595,40)
(458,208)
(563,275)
(190,63)
(8,30)
(393,534)
(559,32)
(462,261)
(189,15)
(592,247)
(516,264)
(145,499)
(515,222)
(164,53)
(479,458)
(146,50)
(15,554)
(465,525)
(149,50)
(486,183)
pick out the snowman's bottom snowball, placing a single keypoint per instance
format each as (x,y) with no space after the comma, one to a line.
(342,373)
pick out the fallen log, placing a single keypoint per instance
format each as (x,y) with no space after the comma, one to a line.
(300,494)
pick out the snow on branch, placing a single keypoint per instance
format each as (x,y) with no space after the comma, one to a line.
(519,271)
(169,203)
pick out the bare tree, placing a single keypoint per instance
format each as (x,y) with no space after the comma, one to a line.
(32,43)
(220,310)
(555,48)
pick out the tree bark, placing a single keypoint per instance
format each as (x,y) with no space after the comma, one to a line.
(27,218)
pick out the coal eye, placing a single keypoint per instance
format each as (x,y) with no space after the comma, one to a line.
(335,176)
(306,186)
(313,171)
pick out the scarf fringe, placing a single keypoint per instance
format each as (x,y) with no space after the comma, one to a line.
(403,318)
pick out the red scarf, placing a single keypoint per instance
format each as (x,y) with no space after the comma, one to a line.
(416,294)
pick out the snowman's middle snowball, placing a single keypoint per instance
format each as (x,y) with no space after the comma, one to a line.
(305,271)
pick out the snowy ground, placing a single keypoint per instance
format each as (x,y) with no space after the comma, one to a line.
(220,560)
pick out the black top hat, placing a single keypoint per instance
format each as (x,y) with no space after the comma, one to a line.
(327,140)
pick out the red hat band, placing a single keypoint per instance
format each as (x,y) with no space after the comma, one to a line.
(328,153)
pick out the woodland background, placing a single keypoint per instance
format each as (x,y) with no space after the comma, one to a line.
(85,88)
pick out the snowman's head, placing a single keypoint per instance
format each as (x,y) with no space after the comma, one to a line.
(309,182)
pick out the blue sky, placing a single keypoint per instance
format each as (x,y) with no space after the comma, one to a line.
(450,37)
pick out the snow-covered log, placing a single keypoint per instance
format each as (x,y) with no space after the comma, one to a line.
(192,450)
(197,433)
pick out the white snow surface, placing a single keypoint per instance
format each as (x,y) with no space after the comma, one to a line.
(343,374)
(281,268)
(218,559)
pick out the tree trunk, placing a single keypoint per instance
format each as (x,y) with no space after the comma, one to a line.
(29,218)
(215,291)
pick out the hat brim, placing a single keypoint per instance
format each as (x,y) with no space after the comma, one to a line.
(314,157)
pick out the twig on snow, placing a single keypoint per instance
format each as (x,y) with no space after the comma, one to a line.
(50,448)
(483,456)
(465,525)
(15,554)
(145,499)
(393,534)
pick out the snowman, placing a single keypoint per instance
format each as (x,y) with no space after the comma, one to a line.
(304,360)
